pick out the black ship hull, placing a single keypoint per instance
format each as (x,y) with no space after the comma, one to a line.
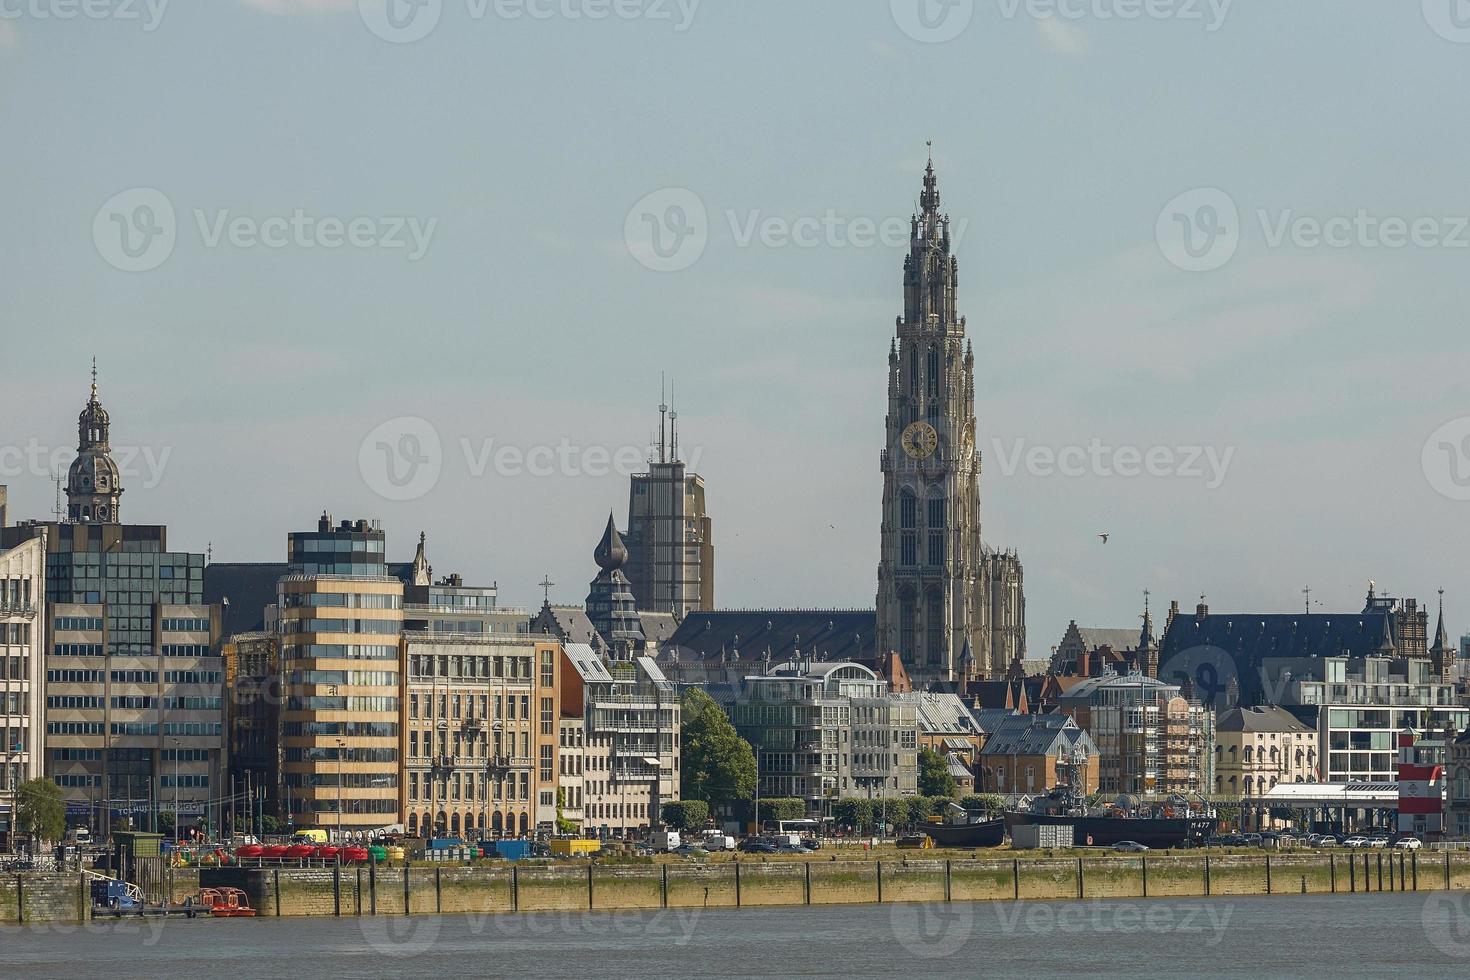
(1156,832)
(986,833)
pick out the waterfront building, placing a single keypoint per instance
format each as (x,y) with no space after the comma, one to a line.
(824,730)
(341,623)
(1151,739)
(1358,705)
(133,677)
(1457,774)
(717,649)
(1256,749)
(627,761)
(610,603)
(254,693)
(1028,753)
(946,725)
(671,551)
(22,662)
(1087,652)
(941,590)
(1422,783)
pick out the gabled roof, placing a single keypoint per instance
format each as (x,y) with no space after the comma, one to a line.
(1259,720)
(571,625)
(587,663)
(1038,735)
(824,634)
(1116,639)
(657,627)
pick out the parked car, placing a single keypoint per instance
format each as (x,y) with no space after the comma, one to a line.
(792,849)
(1130,846)
(690,850)
(1355,842)
(755,845)
(1408,844)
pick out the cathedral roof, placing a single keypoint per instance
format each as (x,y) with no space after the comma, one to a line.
(824,634)
(611,554)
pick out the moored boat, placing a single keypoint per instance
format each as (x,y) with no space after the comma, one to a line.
(982,833)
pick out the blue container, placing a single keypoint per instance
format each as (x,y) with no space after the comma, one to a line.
(513,850)
(445,843)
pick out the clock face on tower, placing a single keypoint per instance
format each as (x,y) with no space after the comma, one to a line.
(919,440)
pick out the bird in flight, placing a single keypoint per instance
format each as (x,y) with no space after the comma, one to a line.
(1104,536)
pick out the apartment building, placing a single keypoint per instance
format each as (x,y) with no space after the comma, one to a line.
(341,625)
(22,660)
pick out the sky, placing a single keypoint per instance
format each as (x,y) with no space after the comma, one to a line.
(429,264)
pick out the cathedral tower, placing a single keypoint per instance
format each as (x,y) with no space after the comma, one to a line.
(93,486)
(951,608)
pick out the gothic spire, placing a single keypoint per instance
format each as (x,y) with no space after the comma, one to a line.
(422,574)
(1441,637)
(611,554)
(929,200)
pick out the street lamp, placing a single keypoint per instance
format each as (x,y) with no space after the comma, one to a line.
(176,787)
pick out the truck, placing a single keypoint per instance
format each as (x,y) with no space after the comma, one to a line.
(717,841)
(666,840)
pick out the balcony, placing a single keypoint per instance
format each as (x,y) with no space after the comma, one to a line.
(25,609)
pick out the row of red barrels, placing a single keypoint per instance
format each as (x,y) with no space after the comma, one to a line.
(323,852)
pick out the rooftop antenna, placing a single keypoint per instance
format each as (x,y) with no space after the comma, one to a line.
(1308,593)
(663,411)
(56,508)
(673,427)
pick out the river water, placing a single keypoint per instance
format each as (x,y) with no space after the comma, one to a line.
(1408,935)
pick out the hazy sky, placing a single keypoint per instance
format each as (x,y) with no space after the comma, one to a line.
(367,227)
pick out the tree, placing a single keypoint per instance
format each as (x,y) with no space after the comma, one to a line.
(269,824)
(716,765)
(167,824)
(782,808)
(39,810)
(988,802)
(854,812)
(934,775)
(686,814)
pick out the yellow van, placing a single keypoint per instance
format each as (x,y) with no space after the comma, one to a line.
(309,836)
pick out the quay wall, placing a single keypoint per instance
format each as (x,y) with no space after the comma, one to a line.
(503,888)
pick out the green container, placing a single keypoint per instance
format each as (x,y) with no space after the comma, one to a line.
(378,854)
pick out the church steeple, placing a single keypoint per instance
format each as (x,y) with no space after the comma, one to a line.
(423,573)
(93,483)
(610,602)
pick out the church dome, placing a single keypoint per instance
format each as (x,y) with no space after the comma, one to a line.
(611,554)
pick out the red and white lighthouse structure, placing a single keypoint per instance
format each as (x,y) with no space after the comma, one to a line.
(1421,785)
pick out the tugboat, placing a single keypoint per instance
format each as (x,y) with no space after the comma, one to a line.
(1176,822)
(964,831)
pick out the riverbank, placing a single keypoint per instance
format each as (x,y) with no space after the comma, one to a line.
(499,888)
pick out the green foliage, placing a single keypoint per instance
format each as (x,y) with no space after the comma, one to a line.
(40,811)
(934,775)
(853,812)
(166,824)
(782,808)
(894,811)
(990,802)
(686,814)
(269,825)
(716,764)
